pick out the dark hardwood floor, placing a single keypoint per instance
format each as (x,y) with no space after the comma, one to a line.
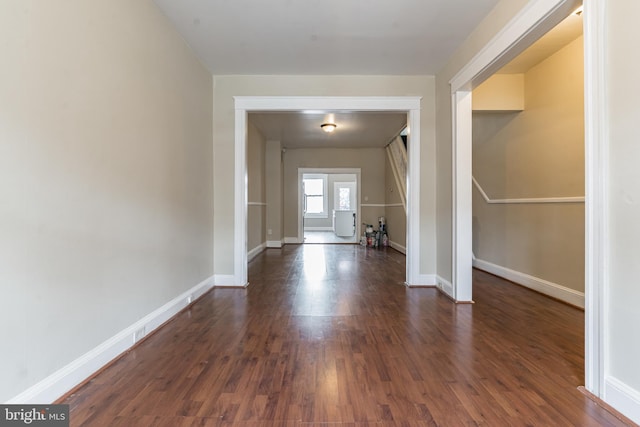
(328,335)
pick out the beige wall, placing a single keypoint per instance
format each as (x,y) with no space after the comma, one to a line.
(395,216)
(105,175)
(500,92)
(370,161)
(256,211)
(623,88)
(226,87)
(538,153)
(488,28)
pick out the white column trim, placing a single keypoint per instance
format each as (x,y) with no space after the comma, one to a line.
(240,242)
(462,206)
(413,197)
(597,200)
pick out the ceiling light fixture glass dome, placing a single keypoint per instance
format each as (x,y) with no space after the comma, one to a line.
(328,127)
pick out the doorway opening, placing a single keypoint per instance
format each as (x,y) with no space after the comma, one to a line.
(527,26)
(528,167)
(409,105)
(329,208)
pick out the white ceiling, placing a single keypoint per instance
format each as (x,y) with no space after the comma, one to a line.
(325,37)
(337,37)
(355,129)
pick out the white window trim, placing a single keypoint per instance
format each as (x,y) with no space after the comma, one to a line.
(325,201)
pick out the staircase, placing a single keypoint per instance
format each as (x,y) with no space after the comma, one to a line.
(397,153)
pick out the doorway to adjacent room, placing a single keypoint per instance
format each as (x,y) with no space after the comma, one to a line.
(329,207)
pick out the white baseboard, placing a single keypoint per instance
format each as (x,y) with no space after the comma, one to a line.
(292,241)
(318,228)
(255,251)
(65,379)
(424,280)
(554,290)
(445,286)
(623,398)
(398,247)
(274,243)
(224,280)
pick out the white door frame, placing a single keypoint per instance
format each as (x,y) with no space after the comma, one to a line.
(536,18)
(408,104)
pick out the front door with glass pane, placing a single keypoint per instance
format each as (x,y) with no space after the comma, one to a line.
(344,196)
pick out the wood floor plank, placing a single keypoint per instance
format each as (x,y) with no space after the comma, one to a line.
(327,335)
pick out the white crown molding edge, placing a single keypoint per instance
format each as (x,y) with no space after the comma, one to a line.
(357,103)
(546,287)
(65,379)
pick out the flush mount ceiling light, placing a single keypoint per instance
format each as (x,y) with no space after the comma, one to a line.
(328,127)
